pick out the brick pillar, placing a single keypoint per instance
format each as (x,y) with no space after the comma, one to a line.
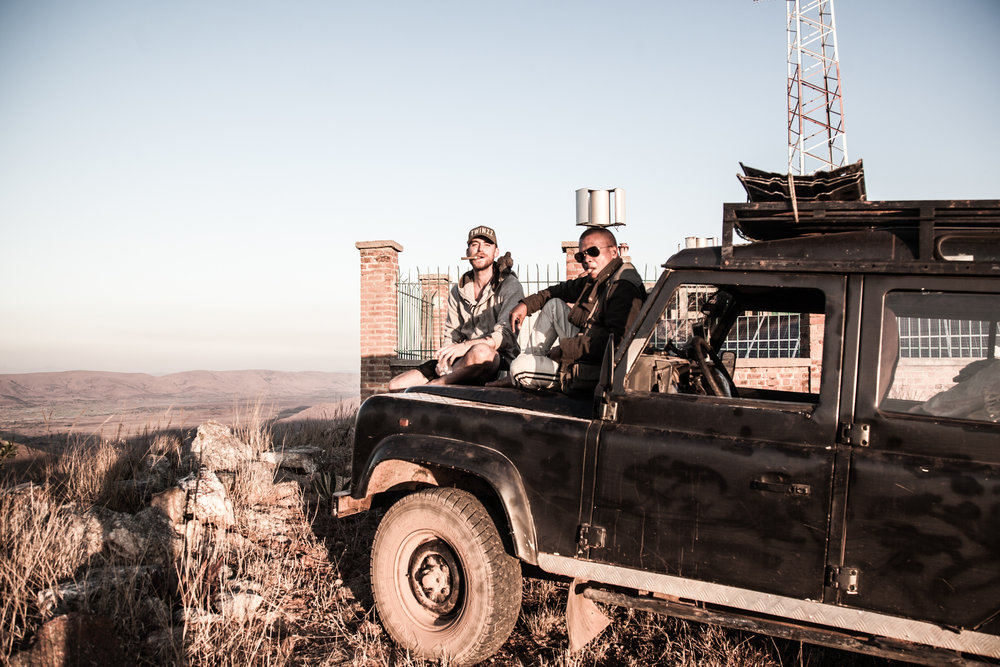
(816,324)
(379,309)
(434,289)
(573,267)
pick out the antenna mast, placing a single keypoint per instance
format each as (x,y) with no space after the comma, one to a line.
(816,136)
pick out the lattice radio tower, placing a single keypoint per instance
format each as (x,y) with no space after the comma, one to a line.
(816,136)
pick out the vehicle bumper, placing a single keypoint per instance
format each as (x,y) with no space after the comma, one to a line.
(344,505)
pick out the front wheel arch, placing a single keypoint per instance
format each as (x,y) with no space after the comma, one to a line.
(407,463)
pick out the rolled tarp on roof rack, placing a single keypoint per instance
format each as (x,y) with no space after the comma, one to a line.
(841,184)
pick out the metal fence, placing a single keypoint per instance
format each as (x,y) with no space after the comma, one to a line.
(416,326)
(414,318)
(756,335)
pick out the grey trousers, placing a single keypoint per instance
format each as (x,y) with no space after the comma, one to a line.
(540,333)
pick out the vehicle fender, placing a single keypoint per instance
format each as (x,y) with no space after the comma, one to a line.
(420,455)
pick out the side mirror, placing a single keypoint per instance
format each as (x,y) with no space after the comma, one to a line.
(728,359)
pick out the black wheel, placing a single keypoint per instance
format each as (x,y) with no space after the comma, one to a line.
(443,585)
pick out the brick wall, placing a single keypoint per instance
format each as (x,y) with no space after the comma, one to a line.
(573,267)
(379,309)
(779,374)
(800,375)
(815,351)
(919,379)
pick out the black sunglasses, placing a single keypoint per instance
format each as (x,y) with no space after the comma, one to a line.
(593,251)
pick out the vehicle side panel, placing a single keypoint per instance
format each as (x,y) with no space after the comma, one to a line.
(547,451)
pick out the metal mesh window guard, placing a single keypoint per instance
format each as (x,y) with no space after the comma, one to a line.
(766,336)
(763,335)
(929,338)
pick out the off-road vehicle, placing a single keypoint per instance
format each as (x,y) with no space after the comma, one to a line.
(798,436)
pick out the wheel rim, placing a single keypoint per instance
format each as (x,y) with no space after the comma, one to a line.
(435,577)
(434,582)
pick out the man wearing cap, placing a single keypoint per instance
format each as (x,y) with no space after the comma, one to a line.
(478,341)
(606,298)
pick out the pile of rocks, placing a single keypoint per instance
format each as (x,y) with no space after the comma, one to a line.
(186,523)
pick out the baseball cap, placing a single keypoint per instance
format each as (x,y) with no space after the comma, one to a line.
(483,231)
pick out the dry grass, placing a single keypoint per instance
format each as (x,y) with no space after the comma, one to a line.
(306,574)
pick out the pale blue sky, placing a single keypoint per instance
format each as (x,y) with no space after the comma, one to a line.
(182,183)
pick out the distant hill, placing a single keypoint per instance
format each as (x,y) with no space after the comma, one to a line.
(25,390)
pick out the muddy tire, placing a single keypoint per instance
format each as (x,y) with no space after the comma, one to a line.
(443,585)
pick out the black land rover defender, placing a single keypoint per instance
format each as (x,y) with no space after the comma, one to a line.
(798,436)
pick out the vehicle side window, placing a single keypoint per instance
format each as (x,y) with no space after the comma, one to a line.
(751,342)
(939,355)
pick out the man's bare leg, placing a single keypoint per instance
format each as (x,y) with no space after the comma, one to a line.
(475,367)
(410,378)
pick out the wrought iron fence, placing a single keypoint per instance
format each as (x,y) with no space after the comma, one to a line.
(419,321)
(412,320)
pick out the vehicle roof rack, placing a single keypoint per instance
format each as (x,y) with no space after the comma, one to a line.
(931,220)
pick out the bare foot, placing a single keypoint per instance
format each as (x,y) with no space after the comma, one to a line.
(505,381)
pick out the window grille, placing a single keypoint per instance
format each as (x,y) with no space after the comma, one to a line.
(758,335)
(930,338)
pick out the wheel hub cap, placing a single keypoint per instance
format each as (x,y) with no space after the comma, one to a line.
(435,577)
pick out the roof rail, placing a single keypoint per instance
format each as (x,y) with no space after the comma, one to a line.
(770,221)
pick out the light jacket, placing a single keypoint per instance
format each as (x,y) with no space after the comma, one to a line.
(489,316)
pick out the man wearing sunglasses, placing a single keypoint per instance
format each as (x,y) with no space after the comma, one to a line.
(605,300)
(478,341)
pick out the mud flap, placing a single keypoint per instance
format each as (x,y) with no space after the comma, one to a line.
(584,619)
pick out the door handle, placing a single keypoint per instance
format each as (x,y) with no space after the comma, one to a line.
(787,488)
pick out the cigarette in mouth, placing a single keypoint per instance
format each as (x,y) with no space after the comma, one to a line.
(469,257)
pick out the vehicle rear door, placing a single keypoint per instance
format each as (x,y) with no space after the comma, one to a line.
(923,496)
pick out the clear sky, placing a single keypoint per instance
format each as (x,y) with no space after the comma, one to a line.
(182,183)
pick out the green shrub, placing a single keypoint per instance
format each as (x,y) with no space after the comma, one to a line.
(7,450)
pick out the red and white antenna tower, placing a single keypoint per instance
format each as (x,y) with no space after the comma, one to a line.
(816,136)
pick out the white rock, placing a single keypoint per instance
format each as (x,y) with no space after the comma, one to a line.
(145,535)
(207,499)
(294,458)
(217,448)
(239,606)
(33,495)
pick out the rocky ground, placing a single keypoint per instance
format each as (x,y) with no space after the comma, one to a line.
(220,533)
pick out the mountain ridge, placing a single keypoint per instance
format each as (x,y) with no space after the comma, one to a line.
(30,389)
